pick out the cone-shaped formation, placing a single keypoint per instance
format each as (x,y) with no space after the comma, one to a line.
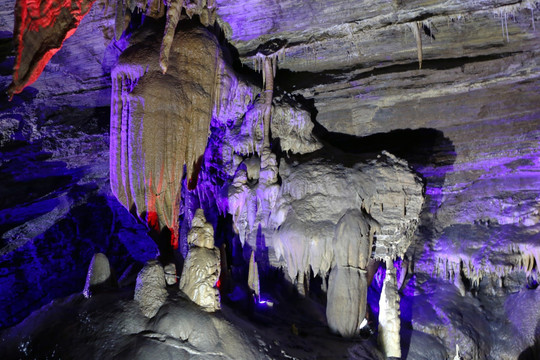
(266,60)
(207,15)
(100,276)
(253,276)
(202,265)
(40,30)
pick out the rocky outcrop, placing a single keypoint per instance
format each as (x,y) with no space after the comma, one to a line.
(40,31)
(150,289)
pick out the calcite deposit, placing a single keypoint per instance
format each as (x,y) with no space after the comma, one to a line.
(151,143)
(202,265)
(391,176)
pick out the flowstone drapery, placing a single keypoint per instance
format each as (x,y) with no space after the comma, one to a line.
(160,123)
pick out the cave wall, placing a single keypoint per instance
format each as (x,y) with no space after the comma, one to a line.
(467,123)
(56,207)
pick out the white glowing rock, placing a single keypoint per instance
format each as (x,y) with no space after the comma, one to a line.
(457,357)
(99,275)
(150,290)
(389,322)
(202,265)
(253,194)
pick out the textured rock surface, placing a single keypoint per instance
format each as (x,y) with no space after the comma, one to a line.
(347,284)
(150,141)
(202,265)
(56,208)
(150,292)
(40,30)
(467,122)
(316,193)
(100,275)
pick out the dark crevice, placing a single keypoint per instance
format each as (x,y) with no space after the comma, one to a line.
(290,81)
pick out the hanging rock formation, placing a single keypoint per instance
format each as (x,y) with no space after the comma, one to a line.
(315,194)
(40,30)
(252,195)
(347,285)
(202,265)
(160,123)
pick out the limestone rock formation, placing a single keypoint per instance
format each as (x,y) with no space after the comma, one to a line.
(389,320)
(170,274)
(292,125)
(100,275)
(202,265)
(347,284)
(252,195)
(160,123)
(150,288)
(315,194)
(40,30)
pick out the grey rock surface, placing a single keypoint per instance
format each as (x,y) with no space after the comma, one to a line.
(150,288)
(100,275)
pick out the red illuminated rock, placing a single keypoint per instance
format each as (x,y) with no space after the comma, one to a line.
(40,30)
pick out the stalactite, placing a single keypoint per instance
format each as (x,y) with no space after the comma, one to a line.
(156,129)
(266,61)
(173,16)
(205,10)
(417,31)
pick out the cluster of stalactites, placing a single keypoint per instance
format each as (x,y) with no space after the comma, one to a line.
(205,9)
(506,11)
(521,257)
(259,59)
(125,8)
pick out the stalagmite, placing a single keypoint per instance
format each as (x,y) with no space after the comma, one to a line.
(253,276)
(150,288)
(170,274)
(202,265)
(100,276)
(389,321)
(347,285)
